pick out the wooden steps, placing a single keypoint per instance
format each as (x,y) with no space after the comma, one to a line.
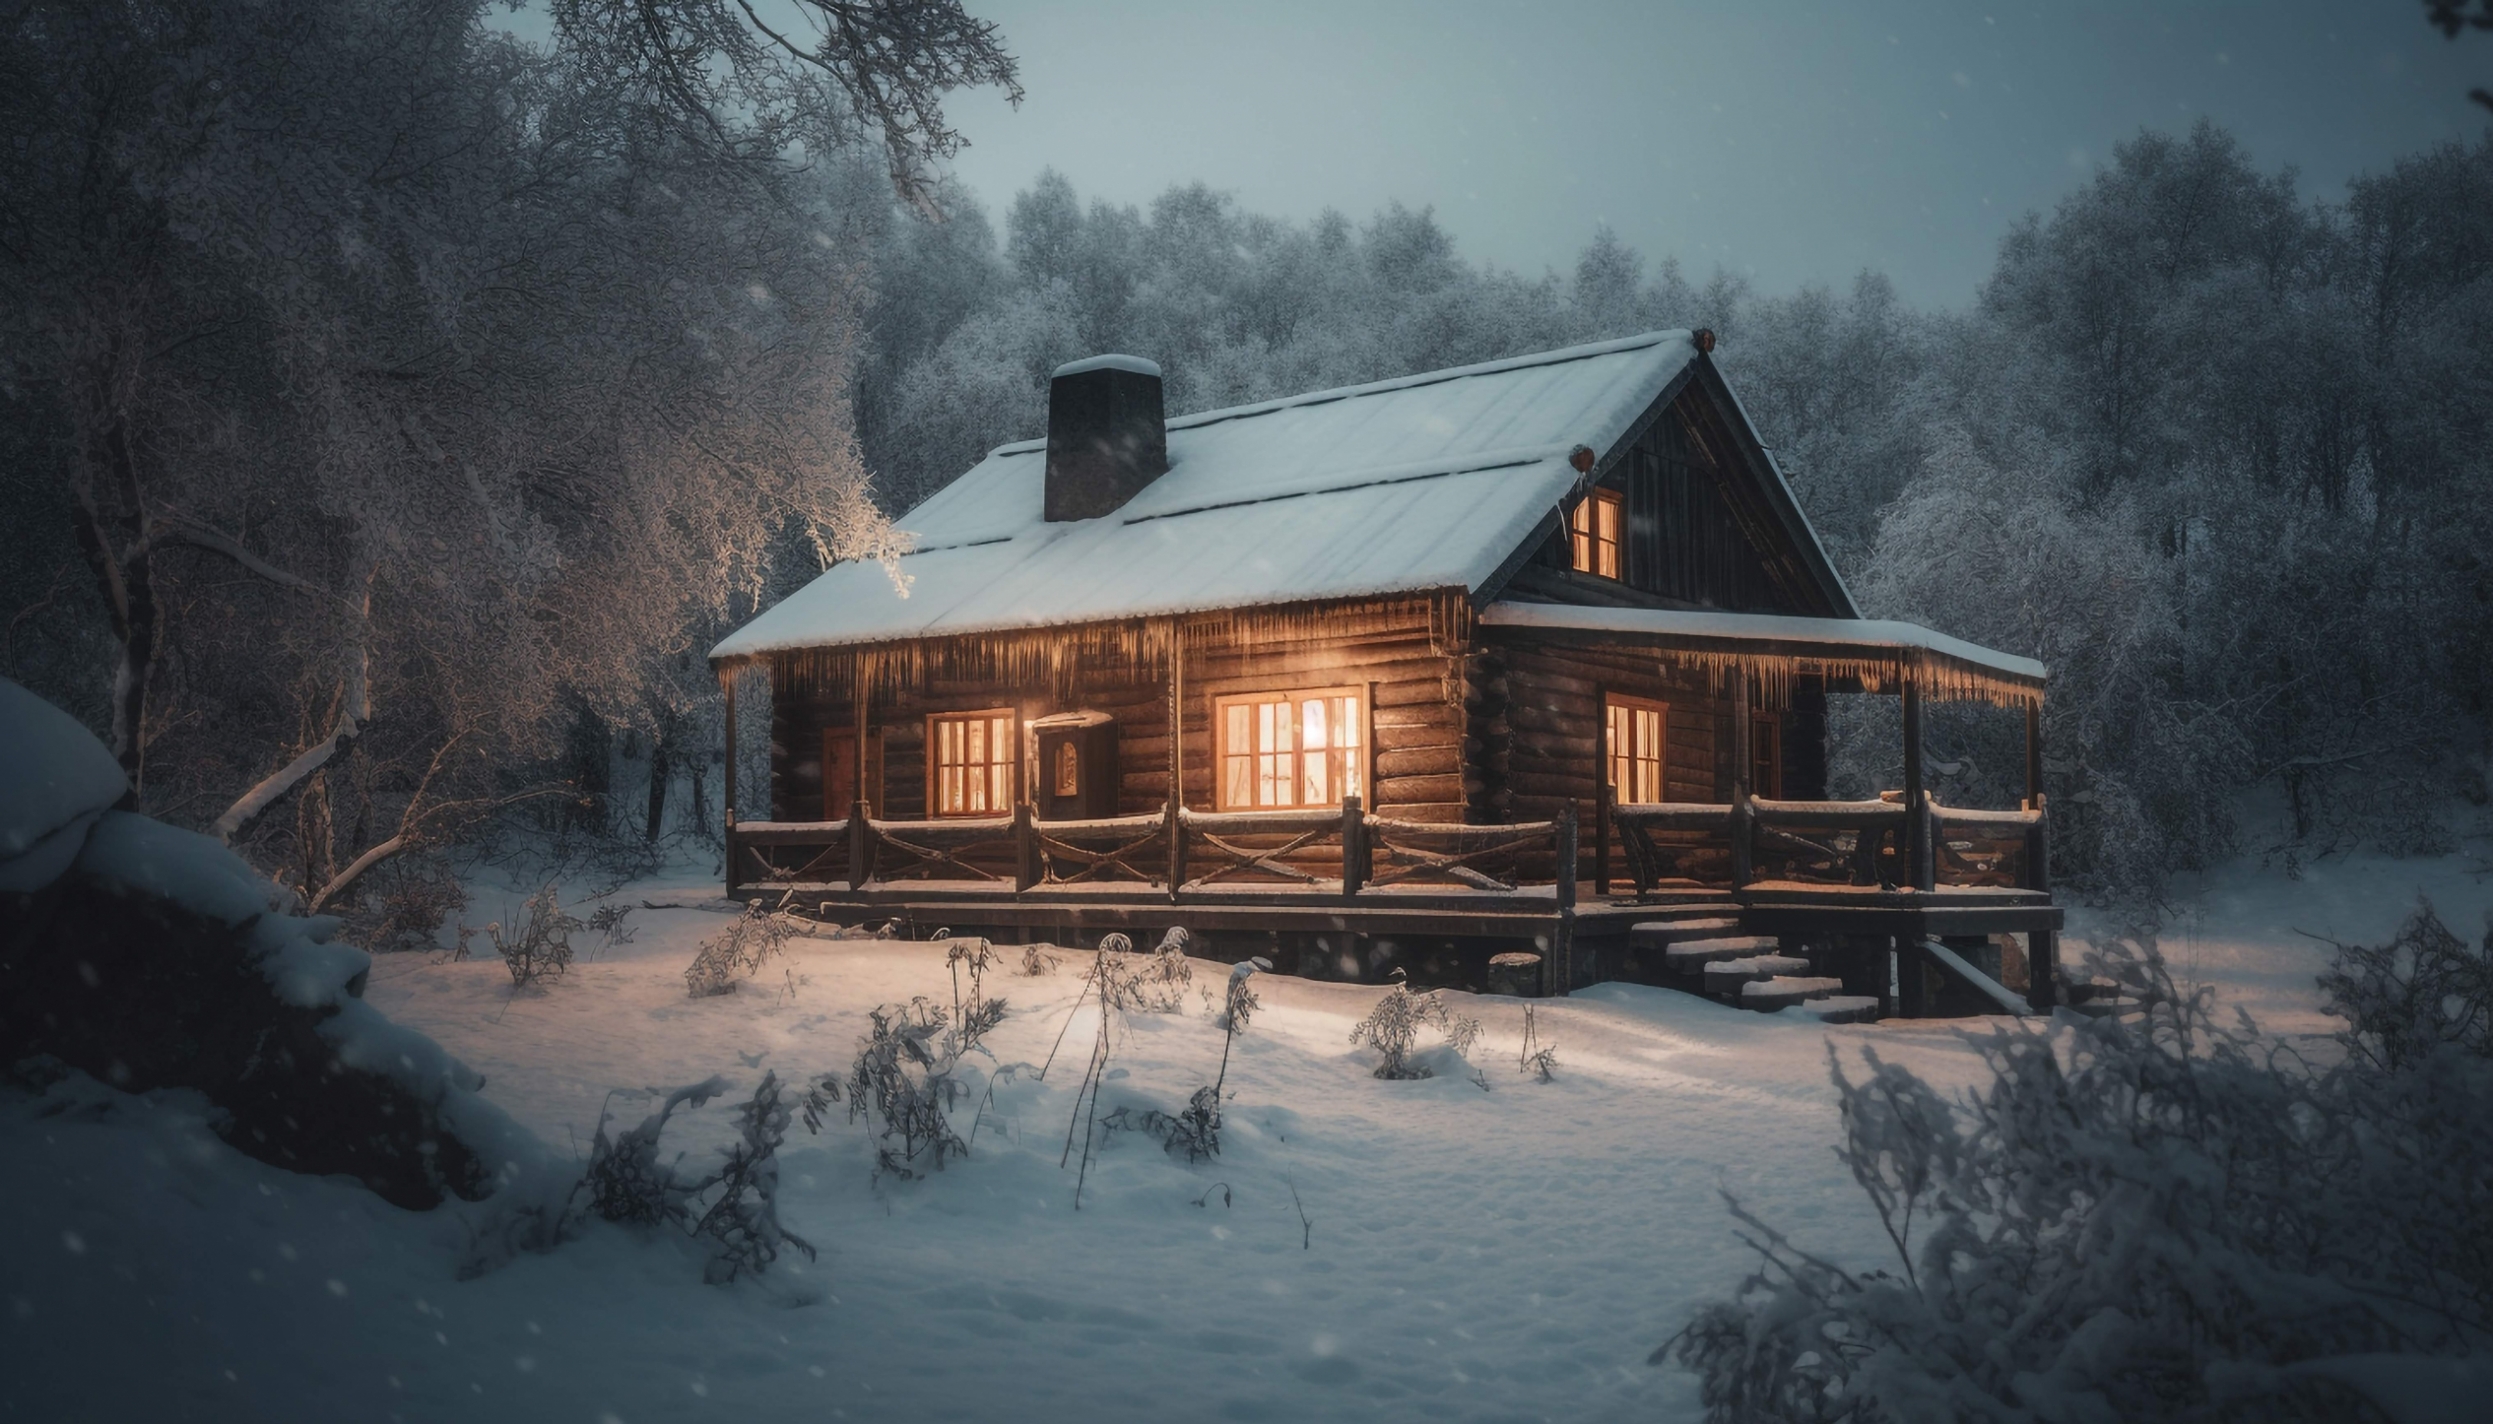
(1785,990)
(1725,976)
(1691,956)
(1699,949)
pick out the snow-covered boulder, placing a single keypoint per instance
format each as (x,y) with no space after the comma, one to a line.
(152,957)
(55,780)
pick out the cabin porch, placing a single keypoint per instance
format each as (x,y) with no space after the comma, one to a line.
(1832,910)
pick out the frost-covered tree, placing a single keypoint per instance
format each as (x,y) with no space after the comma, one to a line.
(403,389)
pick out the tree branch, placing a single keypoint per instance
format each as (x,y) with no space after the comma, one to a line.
(168,531)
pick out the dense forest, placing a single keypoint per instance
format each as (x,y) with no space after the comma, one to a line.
(378,497)
(2211,449)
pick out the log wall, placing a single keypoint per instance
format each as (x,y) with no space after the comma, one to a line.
(1415,746)
(1536,710)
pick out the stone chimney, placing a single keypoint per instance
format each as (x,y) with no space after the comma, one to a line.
(1107,436)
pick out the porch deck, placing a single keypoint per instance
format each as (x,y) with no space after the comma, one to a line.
(1846,884)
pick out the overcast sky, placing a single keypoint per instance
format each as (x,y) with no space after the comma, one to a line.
(1792,142)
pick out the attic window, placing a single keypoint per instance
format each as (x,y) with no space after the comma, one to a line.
(1282,749)
(970,763)
(1595,526)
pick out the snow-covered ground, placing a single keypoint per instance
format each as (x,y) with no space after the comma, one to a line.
(1511,1253)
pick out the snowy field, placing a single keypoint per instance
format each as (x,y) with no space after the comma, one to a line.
(1505,1254)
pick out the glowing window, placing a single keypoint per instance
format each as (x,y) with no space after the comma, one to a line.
(971,758)
(1595,526)
(1279,749)
(1638,752)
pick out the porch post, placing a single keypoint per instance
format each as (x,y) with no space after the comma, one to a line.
(1177,753)
(860,809)
(1743,758)
(2034,753)
(1916,824)
(727,680)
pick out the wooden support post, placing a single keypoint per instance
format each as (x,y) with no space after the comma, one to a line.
(2042,946)
(860,845)
(1916,822)
(1177,755)
(1743,729)
(2034,754)
(1354,847)
(860,695)
(1743,837)
(1559,966)
(1025,848)
(1912,979)
(728,682)
(1601,827)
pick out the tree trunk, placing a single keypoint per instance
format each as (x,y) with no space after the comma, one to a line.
(659,771)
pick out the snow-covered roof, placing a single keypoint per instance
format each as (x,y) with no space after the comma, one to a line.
(1426,482)
(1838,636)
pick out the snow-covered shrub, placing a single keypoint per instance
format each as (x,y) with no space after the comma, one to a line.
(410,898)
(608,922)
(2423,991)
(1194,1133)
(978,1013)
(734,1206)
(736,952)
(1156,984)
(1393,1027)
(625,1181)
(1036,962)
(2148,1217)
(903,1079)
(538,945)
(739,1202)
(1535,1056)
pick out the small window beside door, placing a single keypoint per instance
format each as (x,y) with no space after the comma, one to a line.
(1637,748)
(971,762)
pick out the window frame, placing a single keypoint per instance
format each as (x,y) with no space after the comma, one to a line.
(1356,760)
(1012,759)
(1628,702)
(1585,544)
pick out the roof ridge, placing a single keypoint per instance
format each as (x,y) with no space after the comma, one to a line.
(1561,355)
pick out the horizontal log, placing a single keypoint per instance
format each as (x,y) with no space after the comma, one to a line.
(1433,734)
(1580,787)
(1397,791)
(1445,812)
(1543,759)
(1345,664)
(1575,726)
(1424,714)
(1839,814)
(1674,816)
(1420,761)
(1414,691)
(1228,823)
(1541,683)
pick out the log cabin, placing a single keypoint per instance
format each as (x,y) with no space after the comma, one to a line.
(1511,676)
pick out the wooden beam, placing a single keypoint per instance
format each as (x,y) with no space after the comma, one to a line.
(727,681)
(1916,823)
(2034,754)
(1177,754)
(1559,967)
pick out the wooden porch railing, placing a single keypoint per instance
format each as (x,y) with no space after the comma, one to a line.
(1666,845)
(1345,852)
